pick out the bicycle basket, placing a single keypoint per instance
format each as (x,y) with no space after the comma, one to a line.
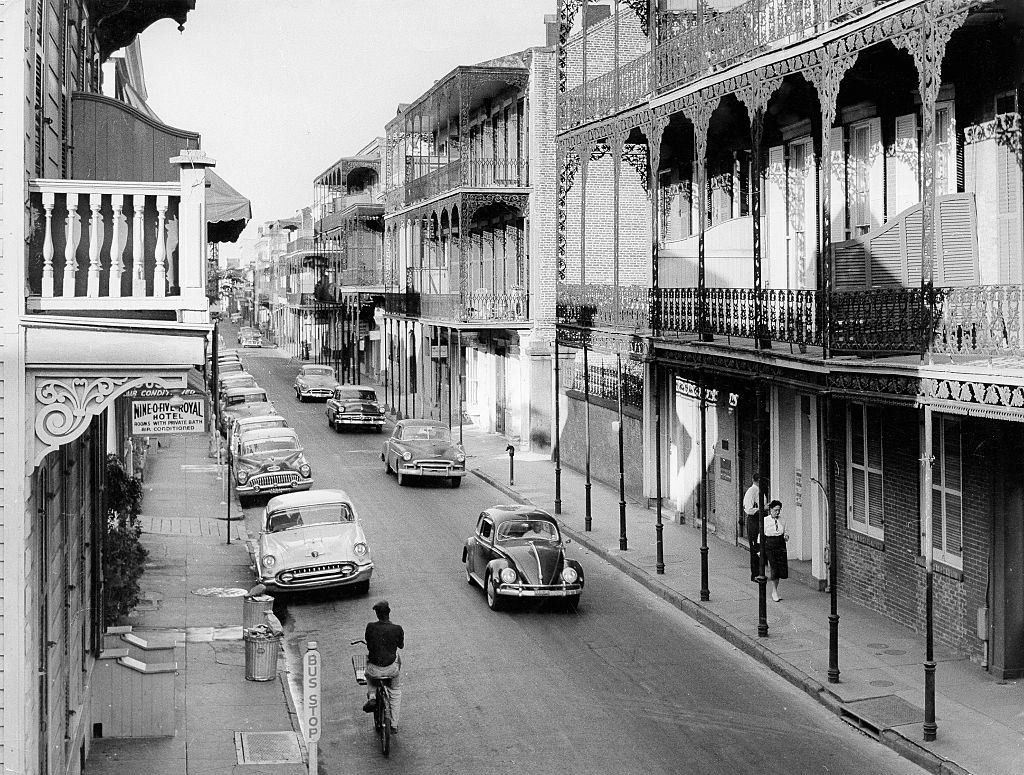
(359,667)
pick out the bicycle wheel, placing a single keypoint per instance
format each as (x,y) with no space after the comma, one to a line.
(385,722)
(378,711)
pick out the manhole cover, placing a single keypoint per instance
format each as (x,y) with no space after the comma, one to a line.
(881,683)
(220,592)
(882,713)
(267,748)
(895,652)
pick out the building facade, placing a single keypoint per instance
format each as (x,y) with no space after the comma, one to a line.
(103,237)
(823,287)
(468,248)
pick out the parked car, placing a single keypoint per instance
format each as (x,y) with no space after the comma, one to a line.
(316,382)
(250,337)
(270,461)
(243,402)
(312,540)
(518,552)
(228,366)
(354,406)
(256,422)
(236,379)
(424,449)
(235,317)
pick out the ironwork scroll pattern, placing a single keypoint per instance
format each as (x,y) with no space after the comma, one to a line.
(979,320)
(570,165)
(632,345)
(604,381)
(599,305)
(879,320)
(635,156)
(567,13)
(1005,129)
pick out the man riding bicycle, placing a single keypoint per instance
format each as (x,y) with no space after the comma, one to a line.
(383,639)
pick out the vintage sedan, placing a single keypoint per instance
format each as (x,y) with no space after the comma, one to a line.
(314,383)
(311,540)
(236,379)
(256,422)
(353,406)
(424,449)
(250,337)
(270,461)
(518,552)
(243,402)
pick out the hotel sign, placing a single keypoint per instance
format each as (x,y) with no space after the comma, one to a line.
(157,411)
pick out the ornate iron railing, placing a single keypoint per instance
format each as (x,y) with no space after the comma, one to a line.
(709,40)
(483,304)
(790,316)
(619,89)
(982,320)
(471,173)
(603,381)
(892,320)
(604,305)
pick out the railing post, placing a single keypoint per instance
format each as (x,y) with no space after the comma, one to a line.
(160,252)
(48,202)
(190,275)
(73,232)
(138,247)
(95,238)
(118,237)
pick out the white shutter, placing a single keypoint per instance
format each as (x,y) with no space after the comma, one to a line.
(903,180)
(837,182)
(1008,216)
(775,210)
(876,175)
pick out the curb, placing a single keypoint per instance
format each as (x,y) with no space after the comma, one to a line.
(902,746)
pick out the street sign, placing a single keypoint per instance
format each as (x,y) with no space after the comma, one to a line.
(311,692)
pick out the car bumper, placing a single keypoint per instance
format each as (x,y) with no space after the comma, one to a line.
(323,580)
(376,422)
(521,590)
(298,485)
(315,393)
(434,473)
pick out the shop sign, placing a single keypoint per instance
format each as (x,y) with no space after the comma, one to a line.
(155,410)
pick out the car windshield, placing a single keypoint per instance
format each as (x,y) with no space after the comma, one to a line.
(426,433)
(239,382)
(323,514)
(527,529)
(269,445)
(255,426)
(318,371)
(247,398)
(356,394)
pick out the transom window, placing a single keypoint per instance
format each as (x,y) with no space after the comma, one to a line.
(864,501)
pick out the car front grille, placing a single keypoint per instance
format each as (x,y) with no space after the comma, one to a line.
(273,480)
(311,573)
(435,465)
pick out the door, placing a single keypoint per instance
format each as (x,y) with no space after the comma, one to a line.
(801,214)
(499,390)
(749,458)
(482,549)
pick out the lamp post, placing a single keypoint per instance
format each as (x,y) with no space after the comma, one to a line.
(623,543)
(557,447)
(833,615)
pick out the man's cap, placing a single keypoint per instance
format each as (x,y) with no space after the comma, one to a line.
(382,607)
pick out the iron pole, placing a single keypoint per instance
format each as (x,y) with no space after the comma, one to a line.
(588,516)
(558,432)
(623,543)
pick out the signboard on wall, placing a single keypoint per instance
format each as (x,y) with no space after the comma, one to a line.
(155,410)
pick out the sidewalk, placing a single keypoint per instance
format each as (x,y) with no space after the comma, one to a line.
(192,597)
(881,689)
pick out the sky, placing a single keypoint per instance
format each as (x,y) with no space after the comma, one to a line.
(280,89)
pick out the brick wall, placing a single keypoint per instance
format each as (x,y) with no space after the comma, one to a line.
(601,46)
(889,576)
(541,249)
(604,444)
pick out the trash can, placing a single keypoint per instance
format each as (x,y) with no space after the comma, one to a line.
(262,648)
(254,610)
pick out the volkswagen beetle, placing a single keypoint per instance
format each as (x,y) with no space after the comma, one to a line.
(311,540)
(518,552)
(268,461)
(423,449)
(314,382)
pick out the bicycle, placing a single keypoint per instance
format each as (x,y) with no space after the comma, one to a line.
(382,700)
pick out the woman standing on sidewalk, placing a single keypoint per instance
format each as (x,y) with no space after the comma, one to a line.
(774,534)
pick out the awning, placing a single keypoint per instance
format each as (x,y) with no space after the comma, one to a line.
(227,211)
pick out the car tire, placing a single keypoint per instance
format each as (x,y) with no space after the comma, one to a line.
(387,464)
(469,576)
(402,479)
(571,604)
(362,588)
(494,601)
(244,501)
(456,482)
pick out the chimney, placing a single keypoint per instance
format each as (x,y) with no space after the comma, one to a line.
(551,30)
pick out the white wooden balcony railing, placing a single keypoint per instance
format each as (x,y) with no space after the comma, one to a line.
(104,246)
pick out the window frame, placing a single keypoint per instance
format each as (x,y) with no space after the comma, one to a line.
(941,492)
(864,526)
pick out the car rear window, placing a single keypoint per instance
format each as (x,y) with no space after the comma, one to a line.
(318,371)
(324,514)
(269,445)
(355,394)
(530,529)
(426,433)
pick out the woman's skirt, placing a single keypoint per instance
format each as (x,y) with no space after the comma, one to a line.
(775,553)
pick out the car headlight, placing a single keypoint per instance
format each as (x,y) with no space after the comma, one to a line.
(270,561)
(242,476)
(508,576)
(460,458)
(569,575)
(361,549)
(341,410)
(407,456)
(305,470)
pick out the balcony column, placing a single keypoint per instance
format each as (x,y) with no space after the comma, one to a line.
(653,129)
(927,45)
(192,242)
(617,141)
(586,148)
(827,79)
(699,112)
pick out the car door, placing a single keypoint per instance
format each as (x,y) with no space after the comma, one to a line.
(391,453)
(483,547)
(332,406)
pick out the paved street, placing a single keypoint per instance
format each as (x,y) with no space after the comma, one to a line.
(626,684)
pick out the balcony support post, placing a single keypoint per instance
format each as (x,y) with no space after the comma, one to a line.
(699,112)
(617,141)
(587,484)
(653,130)
(188,276)
(930,728)
(585,150)
(557,448)
(702,487)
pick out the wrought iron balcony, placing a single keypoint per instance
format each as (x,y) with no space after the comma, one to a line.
(436,177)
(593,305)
(112,246)
(705,41)
(481,306)
(620,89)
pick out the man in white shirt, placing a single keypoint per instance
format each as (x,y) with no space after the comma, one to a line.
(753,503)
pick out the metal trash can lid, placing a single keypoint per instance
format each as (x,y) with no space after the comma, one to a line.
(260,598)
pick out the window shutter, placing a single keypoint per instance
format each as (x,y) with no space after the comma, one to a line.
(903,178)
(957,241)
(775,209)
(837,183)
(876,175)
(1009,216)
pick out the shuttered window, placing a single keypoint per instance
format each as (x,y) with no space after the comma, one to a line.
(945,149)
(947,493)
(864,470)
(858,181)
